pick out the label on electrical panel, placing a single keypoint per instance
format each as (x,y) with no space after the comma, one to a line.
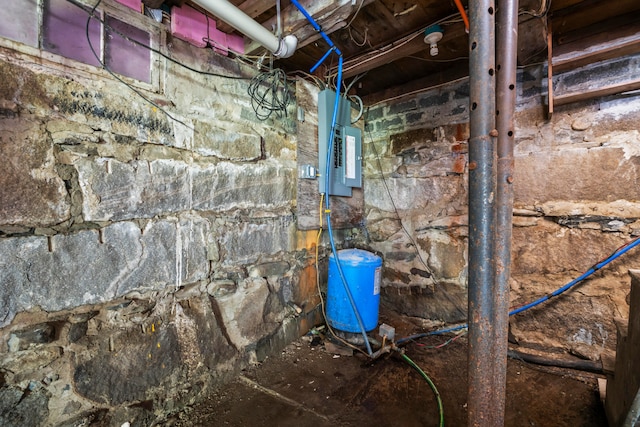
(376,281)
(350,154)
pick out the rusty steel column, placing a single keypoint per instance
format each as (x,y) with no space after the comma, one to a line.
(482,169)
(506,59)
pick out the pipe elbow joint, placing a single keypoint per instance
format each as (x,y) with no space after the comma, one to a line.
(287,46)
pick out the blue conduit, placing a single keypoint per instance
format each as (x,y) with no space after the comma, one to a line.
(333,48)
(615,255)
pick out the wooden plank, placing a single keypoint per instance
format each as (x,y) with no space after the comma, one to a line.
(562,4)
(591,12)
(311,38)
(608,362)
(293,21)
(602,388)
(420,85)
(396,50)
(623,386)
(550,68)
(253,8)
(329,23)
(613,89)
(611,26)
(608,51)
(618,42)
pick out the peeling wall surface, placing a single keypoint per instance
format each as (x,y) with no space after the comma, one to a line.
(143,259)
(577,200)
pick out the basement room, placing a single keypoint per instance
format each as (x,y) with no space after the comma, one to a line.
(320,213)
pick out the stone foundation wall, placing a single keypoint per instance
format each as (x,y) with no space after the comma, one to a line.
(143,259)
(577,199)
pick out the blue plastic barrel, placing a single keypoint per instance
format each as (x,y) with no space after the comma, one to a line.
(362,271)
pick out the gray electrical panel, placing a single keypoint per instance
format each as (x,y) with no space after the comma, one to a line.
(345,171)
(352,157)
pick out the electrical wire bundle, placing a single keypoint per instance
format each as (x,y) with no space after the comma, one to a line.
(269,93)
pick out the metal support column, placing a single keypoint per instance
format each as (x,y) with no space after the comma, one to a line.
(506,56)
(482,169)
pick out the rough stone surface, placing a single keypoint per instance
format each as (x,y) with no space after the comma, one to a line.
(576,195)
(146,254)
(442,303)
(94,266)
(429,195)
(551,248)
(31,193)
(230,186)
(113,190)
(446,255)
(551,176)
(141,362)
(269,269)
(248,242)
(227,144)
(20,408)
(240,312)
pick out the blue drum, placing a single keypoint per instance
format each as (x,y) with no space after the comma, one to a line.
(363,271)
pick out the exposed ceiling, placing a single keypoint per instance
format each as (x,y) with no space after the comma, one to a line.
(385,38)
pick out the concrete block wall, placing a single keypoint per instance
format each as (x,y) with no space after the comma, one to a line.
(143,259)
(576,201)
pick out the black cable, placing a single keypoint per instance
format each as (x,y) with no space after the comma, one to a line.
(581,365)
(269,93)
(114,75)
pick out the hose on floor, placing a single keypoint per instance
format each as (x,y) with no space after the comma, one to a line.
(431,384)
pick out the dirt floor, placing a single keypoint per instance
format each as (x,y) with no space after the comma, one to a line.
(308,384)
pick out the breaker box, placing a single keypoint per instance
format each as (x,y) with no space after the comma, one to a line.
(345,171)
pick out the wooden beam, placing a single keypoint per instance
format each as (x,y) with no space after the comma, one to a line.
(591,12)
(550,68)
(308,39)
(596,93)
(253,8)
(618,42)
(293,22)
(416,86)
(329,24)
(396,50)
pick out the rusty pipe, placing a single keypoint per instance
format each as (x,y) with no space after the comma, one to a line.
(481,211)
(506,59)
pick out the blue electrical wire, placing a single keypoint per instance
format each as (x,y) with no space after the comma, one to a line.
(334,119)
(615,255)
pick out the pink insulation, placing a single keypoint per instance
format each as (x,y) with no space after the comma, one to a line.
(235,43)
(190,25)
(133,4)
(218,41)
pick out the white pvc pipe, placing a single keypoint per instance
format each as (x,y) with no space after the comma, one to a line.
(242,22)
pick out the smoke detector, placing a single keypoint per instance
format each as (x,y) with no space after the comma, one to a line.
(432,35)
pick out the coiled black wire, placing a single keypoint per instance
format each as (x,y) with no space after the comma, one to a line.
(269,93)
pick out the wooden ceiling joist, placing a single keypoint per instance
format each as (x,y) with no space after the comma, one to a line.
(253,8)
(395,51)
